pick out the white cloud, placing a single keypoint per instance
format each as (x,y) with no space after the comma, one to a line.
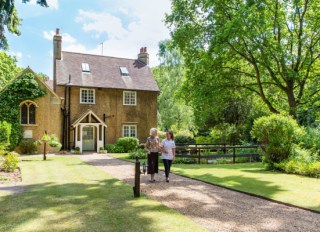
(18,55)
(53,3)
(145,29)
(67,38)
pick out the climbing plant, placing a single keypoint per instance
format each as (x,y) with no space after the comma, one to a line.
(23,88)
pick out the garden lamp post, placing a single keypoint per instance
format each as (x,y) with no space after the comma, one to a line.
(138,172)
(45,139)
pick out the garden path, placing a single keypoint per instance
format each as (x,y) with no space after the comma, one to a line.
(216,208)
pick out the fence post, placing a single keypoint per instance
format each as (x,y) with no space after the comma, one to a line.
(136,188)
(234,155)
(199,154)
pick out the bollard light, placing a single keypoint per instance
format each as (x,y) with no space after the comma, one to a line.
(144,168)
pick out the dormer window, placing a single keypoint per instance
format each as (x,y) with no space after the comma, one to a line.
(124,71)
(85,67)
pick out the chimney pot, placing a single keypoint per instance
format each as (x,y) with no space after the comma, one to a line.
(143,56)
(57,31)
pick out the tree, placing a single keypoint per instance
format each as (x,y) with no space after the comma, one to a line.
(173,112)
(8,68)
(10,20)
(269,48)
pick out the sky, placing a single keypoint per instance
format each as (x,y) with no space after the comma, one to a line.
(123,26)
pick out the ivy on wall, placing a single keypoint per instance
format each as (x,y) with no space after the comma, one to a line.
(23,88)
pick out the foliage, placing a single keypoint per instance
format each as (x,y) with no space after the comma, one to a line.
(161,134)
(141,153)
(173,112)
(311,139)
(10,20)
(277,133)
(8,68)
(128,143)
(184,161)
(54,141)
(301,162)
(5,132)
(263,48)
(204,140)
(23,88)
(28,146)
(184,139)
(114,148)
(11,161)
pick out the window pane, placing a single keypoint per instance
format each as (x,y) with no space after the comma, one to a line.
(133,131)
(24,114)
(32,114)
(130,98)
(126,131)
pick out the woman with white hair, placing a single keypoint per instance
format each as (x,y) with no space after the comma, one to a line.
(152,147)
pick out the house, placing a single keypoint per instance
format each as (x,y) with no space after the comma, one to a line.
(40,114)
(100,99)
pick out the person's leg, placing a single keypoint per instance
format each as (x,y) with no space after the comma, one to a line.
(169,166)
(166,170)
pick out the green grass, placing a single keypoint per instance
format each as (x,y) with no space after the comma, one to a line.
(253,178)
(65,194)
(125,157)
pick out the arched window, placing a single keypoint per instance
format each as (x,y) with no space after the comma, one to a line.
(28,113)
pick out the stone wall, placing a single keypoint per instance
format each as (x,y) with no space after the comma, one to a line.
(48,118)
(110,103)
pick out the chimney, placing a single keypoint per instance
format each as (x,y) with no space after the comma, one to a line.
(57,55)
(57,41)
(143,56)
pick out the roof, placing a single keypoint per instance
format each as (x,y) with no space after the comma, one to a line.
(104,72)
(49,83)
(85,114)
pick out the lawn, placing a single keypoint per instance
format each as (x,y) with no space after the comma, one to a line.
(253,178)
(65,194)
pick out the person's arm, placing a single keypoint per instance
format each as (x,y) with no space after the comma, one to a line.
(174,151)
(146,146)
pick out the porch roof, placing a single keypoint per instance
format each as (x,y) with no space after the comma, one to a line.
(85,114)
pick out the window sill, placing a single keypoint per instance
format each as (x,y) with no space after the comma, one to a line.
(29,124)
(130,104)
(87,103)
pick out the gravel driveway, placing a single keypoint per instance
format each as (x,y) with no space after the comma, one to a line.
(213,207)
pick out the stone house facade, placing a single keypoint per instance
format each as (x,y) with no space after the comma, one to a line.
(93,100)
(103,98)
(41,114)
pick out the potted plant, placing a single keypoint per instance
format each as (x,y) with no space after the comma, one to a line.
(101,150)
(76,150)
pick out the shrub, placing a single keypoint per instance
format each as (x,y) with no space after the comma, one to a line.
(204,140)
(277,133)
(54,141)
(161,135)
(114,148)
(128,143)
(184,161)
(182,139)
(5,133)
(28,146)
(141,153)
(311,140)
(10,162)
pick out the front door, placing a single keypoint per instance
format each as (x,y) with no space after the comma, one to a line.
(88,138)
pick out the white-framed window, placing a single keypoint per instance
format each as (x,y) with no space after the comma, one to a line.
(87,96)
(129,131)
(85,67)
(129,98)
(124,71)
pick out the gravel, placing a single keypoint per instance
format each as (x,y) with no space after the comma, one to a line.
(215,208)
